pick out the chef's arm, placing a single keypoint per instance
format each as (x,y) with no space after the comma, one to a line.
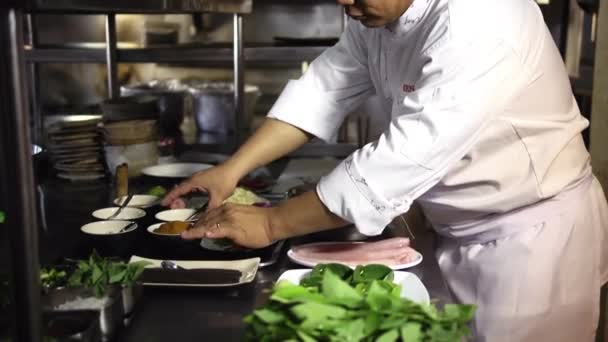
(302,215)
(272,140)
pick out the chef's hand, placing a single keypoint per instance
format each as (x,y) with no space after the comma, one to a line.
(246,225)
(218,182)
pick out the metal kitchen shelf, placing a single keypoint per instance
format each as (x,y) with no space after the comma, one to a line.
(142,6)
(283,54)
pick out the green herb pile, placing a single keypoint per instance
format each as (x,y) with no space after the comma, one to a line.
(157,191)
(335,303)
(98,273)
(2,216)
(51,277)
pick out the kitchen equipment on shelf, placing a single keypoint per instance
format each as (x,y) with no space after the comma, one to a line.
(137,107)
(134,142)
(74,147)
(174,101)
(213,105)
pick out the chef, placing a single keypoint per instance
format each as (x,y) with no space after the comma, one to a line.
(485,134)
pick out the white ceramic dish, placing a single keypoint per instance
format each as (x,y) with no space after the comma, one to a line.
(139,201)
(174,214)
(247,267)
(81,176)
(294,257)
(174,170)
(151,229)
(411,286)
(107,227)
(126,213)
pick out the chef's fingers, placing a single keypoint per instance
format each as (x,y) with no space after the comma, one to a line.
(215,200)
(346,2)
(180,190)
(194,233)
(178,204)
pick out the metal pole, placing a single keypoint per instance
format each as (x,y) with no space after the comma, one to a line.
(239,81)
(17,180)
(599,130)
(599,106)
(111,53)
(34,84)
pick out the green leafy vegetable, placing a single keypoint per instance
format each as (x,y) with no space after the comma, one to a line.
(98,273)
(2,216)
(335,303)
(51,277)
(157,191)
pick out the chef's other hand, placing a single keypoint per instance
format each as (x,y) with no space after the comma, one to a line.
(245,225)
(217,182)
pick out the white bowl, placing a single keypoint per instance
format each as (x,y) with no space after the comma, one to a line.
(155,226)
(126,213)
(174,214)
(107,227)
(139,201)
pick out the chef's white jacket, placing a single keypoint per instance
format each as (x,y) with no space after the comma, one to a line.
(485,134)
(483,117)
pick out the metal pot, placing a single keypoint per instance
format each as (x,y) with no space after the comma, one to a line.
(213,106)
(173,99)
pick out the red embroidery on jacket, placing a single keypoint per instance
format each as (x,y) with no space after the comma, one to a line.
(408,88)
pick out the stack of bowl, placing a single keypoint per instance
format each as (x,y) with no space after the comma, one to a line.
(130,132)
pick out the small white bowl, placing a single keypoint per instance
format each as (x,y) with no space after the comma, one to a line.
(126,213)
(155,226)
(139,201)
(174,214)
(107,227)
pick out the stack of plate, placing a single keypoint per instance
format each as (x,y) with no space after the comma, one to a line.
(75,148)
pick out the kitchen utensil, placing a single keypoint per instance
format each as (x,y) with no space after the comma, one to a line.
(140,201)
(407,227)
(170,265)
(121,207)
(199,273)
(127,227)
(197,212)
(213,105)
(175,170)
(130,108)
(127,213)
(175,214)
(174,101)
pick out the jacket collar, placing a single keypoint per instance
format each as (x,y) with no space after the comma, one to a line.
(410,19)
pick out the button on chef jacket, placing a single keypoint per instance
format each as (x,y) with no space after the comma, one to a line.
(483,120)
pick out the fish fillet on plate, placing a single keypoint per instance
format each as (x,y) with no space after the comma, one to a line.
(394,253)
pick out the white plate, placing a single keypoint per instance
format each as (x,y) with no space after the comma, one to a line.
(85,176)
(411,286)
(107,227)
(175,170)
(293,257)
(139,201)
(174,214)
(126,213)
(247,267)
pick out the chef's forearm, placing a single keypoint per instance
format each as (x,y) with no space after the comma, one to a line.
(272,140)
(302,215)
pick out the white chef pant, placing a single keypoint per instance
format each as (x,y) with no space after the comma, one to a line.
(541,283)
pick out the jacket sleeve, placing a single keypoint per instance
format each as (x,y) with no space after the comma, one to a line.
(334,84)
(462,87)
